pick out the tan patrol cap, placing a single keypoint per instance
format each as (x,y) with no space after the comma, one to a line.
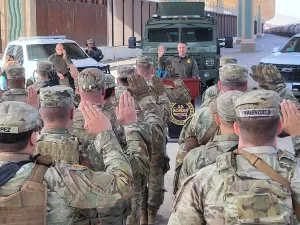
(227,60)
(17,117)
(15,72)
(147,60)
(125,71)
(110,81)
(233,73)
(226,105)
(91,80)
(258,103)
(44,65)
(56,96)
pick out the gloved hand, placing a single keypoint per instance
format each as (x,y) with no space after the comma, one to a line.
(138,87)
(158,86)
(268,77)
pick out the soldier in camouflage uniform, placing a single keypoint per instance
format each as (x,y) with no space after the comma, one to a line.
(123,73)
(214,90)
(206,154)
(91,87)
(240,187)
(110,101)
(42,78)
(16,83)
(201,127)
(57,111)
(70,188)
(153,195)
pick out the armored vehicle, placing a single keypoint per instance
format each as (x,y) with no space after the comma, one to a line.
(187,22)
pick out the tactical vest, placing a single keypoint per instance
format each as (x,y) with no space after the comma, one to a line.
(65,149)
(18,95)
(28,206)
(254,201)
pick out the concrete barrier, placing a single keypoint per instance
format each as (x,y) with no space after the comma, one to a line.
(122,52)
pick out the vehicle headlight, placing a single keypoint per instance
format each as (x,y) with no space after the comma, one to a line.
(209,62)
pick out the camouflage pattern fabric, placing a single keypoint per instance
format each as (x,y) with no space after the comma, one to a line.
(58,143)
(205,155)
(208,197)
(184,67)
(72,188)
(79,131)
(63,181)
(18,95)
(210,93)
(39,84)
(15,72)
(227,60)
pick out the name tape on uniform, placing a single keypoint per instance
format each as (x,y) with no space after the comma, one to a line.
(9,130)
(257,112)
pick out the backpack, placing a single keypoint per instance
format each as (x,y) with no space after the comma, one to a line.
(253,201)
(28,206)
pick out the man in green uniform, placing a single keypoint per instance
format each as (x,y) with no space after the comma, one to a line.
(185,66)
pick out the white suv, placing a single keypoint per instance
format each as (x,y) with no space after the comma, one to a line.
(29,50)
(287,60)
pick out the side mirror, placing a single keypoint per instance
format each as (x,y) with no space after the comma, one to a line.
(132,42)
(276,49)
(229,42)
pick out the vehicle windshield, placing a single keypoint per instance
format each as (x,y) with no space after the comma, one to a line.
(163,35)
(197,34)
(38,52)
(292,46)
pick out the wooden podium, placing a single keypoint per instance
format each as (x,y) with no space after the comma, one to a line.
(181,112)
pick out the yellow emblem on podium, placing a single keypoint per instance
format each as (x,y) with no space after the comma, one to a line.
(181,112)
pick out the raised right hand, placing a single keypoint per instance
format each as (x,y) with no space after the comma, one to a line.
(161,51)
(291,118)
(95,121)
(60,75)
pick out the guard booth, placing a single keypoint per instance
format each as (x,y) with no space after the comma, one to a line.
(181,112)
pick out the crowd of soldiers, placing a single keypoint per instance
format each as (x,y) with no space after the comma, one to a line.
(97,155)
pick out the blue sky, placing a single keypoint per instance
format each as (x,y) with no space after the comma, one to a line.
(288,7)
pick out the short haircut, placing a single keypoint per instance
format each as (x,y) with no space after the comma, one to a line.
(16,83)
(182,42)
(144,69)
(15,142)
(55,114)
(259,130)
(109,92)
(123,81)
(233,86)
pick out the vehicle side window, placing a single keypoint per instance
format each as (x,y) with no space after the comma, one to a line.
(19,53)
(10,50)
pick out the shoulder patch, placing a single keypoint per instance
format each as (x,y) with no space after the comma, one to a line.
(225,161)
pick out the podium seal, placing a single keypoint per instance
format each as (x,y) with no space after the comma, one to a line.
(181,112)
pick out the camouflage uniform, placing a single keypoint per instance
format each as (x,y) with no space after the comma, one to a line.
(207,198)
(57,142)
(214,91)
(184,67)
(42,67)
(15,94)
(110,104)
(206,154)
(70,188)
(93,80)
(202,127)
